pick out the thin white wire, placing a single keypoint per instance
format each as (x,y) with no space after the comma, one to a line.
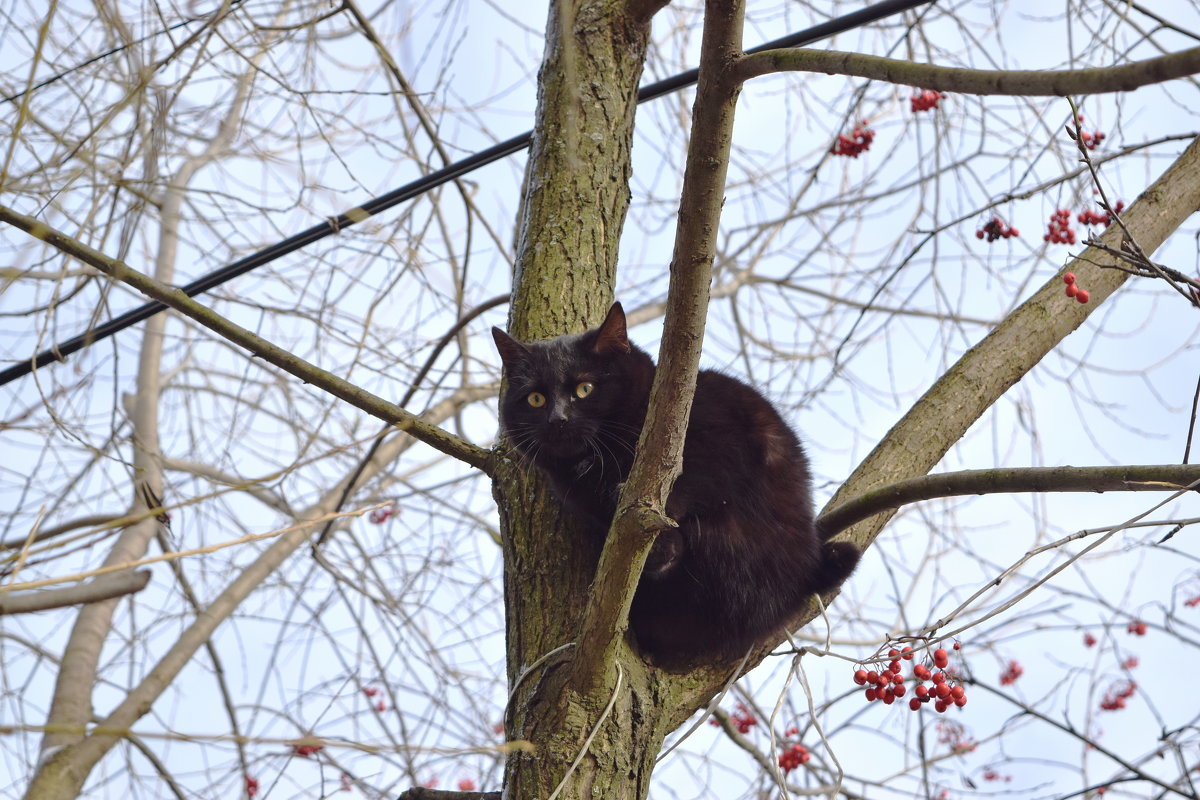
(802,676)
(712,704)
(541,660)
(612,701)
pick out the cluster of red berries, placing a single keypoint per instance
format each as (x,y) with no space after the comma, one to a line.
(1059,230)
(996,228)
(925,100)
(1114,698)
(859,140)
(1011,673)
(306,750)
(1090,140)
(1193,602)
(382,515)
(888,684)
(742,719)
(1080,294)
(793,757)
(1089,217)
(251,786)
(955,736)
(371,691)
(992,775)
(1137,628)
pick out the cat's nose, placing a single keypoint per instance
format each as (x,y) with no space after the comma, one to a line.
(558,414)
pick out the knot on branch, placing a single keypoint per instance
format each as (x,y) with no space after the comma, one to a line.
(644,518)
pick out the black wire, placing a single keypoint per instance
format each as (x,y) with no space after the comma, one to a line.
(59,352)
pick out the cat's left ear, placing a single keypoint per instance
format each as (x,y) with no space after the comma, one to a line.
(509,348)
(612,336)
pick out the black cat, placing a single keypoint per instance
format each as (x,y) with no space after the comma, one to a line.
(746,554)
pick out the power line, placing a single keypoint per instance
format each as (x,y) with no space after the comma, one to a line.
(60,351)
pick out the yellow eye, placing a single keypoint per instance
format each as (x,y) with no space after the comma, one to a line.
(584,389)
(536,399)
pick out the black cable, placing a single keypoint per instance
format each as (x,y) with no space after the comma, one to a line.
(59,352)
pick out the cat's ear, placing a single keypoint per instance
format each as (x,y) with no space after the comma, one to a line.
(612,336)
(510,349)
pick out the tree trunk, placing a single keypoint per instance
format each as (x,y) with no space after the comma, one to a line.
(574,208)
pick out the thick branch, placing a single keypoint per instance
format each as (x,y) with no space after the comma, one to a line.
(984,373)
(1168,478)
(421,793)
(171,296)
(104,587)
(1060,83)
(641,507)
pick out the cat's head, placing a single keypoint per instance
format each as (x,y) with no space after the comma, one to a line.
(575,396)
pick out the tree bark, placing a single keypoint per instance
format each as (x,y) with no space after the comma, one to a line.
(574,207)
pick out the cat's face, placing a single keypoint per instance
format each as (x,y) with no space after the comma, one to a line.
(568,399)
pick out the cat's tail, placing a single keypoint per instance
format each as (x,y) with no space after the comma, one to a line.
(838,560)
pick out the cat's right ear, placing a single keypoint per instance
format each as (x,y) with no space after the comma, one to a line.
(510,349)
(613,336)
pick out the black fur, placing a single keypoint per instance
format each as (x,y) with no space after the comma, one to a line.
(746,555)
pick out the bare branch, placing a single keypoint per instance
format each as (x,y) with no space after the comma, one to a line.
(641,509)
(1167,478)
(104,587)
(1025,83)
(376,406)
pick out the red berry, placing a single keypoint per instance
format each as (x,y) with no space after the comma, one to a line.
(958,692)
(960,701)
(907,653)
(914,704)
(871,695)
(898,689)
(940,658)
(921,671)
(940,706)
(860,677)
(939,678)
(1072,290)
(1068,277)
(922,691)
(958,645)
(1011,673)
(1082,295)
(893,653)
